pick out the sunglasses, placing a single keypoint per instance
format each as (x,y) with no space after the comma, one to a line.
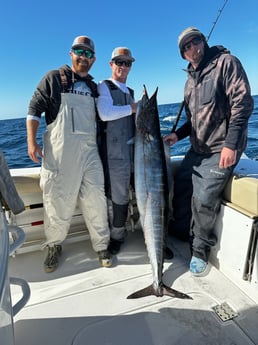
(87,53)
(195,41)
(123,63)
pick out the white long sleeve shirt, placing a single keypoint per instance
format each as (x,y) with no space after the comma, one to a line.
(108,111)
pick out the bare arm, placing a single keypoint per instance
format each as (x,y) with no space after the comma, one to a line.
(34,150)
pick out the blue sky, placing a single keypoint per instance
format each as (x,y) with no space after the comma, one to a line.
(36,36)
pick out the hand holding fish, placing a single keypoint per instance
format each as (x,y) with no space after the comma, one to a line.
(171,138)
(134,107)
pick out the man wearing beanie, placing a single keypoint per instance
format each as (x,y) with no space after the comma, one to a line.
(218,104)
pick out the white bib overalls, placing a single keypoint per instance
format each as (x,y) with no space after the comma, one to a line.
(72,171)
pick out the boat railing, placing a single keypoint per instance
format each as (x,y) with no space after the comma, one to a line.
(7,311)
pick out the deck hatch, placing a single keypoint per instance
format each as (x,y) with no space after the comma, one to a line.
(224,311)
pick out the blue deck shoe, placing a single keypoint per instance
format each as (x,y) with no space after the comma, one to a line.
(198,266)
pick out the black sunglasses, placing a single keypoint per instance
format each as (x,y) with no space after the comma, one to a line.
(87,53)
(123,63)
(195,41)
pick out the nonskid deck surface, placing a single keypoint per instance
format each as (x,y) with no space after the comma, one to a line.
(82,303)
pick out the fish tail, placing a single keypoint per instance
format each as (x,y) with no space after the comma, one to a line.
(166,290)
(161,291)
(148,291)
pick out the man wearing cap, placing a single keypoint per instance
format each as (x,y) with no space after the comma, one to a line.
(71,167)
(218,104)
(116,107)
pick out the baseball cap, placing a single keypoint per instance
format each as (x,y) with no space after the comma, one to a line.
(83,42)
(122,53)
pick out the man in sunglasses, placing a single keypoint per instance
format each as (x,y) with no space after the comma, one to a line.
(116,107)
(218,104)
(71,166)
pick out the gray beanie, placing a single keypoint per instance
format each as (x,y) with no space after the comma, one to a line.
(186,33)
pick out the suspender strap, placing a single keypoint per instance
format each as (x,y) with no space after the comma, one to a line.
(64,81)
(112,86)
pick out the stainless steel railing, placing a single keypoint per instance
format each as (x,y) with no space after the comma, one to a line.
(7,311)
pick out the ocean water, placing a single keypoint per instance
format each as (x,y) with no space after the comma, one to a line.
(13,141)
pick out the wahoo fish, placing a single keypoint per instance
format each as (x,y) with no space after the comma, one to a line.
(151,189)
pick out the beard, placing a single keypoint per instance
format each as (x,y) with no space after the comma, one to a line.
(197,56)
(82,67)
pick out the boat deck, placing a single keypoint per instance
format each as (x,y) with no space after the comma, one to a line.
(81,303)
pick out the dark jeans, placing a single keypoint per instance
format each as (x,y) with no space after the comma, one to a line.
(198,188)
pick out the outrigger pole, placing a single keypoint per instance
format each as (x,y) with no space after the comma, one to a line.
(208,37)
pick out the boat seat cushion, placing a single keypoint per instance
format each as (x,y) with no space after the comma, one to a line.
(241,193)
(27,184)
(29,189)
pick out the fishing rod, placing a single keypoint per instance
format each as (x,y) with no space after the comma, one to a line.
(214,23)
(178,116)
(208,37)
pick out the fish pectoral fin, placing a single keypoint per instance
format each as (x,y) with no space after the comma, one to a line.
(131,141)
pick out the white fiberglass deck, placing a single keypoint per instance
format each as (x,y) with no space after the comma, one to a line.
(84,304)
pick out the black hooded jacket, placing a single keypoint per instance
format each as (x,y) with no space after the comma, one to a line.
(47,97)
(218,103)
